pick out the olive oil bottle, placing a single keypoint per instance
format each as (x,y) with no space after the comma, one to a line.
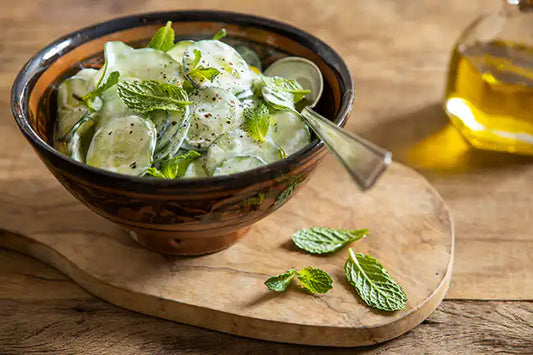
(489,95)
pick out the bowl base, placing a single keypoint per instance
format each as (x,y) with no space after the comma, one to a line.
(171,243)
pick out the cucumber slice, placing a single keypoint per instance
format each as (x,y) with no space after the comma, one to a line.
(213,112)
(69,109)
(124,145)
(80,138)
(237,143)
(289,131)
(250,56)
(112,107)
(178,50)
(234,74)
(196,169)
(172,139)
(140,64)
(237,165)
(161,121)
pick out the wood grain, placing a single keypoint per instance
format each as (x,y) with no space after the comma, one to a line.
(42,311)
(398,53)
(224,291)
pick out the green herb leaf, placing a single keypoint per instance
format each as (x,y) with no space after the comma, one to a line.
(220,34)
(257,121)
(174,168)
(201,74)
(322,240)
(315,280)
(280,283)
(280,93)
(146,96)
(373,283)
(198,73)
(89,98)
(163,38)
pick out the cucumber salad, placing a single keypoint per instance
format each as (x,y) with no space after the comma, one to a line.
(189,109)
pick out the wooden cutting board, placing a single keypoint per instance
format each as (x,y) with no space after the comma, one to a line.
(411,233)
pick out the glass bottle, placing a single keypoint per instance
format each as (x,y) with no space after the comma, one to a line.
(489,95)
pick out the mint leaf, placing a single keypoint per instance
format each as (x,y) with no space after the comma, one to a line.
(315,280)
(257,121)
(146,96)
(280,283)
(163,38)
(174,168)
(199,74)
(280,93)
(373,283)
(322,240)
(89,98)
(220,34)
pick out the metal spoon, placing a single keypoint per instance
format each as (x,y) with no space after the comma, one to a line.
(364,160)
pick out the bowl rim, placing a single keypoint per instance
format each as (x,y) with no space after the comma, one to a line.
(38,63)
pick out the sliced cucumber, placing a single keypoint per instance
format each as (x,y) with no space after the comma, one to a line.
(124,145)
(289,131)
(234,74)
(213,112)
(237,165)
(69,109)
(140,64)
(112,106)
(237,143)
(161,121)
(196,169)
(80,138)
(250,56)
(173,137)
(178,50)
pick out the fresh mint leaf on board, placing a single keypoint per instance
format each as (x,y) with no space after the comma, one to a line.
(163,38)
(174,168)
(312,279)
(315,280)
(373,283)
(220,34)
(89,98)
(149,95)
(199,73)
(322,240)
(257,121)
(280,283)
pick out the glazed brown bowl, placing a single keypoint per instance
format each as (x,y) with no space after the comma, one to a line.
(188,216)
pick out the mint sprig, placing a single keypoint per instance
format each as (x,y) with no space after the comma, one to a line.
(280,282)
(89,98)
(198,73)
(220,34)
(312,279)
(149,95)
(174,168)
(373,283)
(322,240)
(257,121)
(163,38)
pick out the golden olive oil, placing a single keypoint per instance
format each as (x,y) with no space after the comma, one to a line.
(489,96)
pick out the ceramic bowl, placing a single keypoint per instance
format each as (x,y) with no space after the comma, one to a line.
(189,216)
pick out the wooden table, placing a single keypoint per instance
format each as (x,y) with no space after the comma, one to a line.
(398,52)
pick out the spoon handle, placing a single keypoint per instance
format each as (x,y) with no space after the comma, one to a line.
(364,160)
